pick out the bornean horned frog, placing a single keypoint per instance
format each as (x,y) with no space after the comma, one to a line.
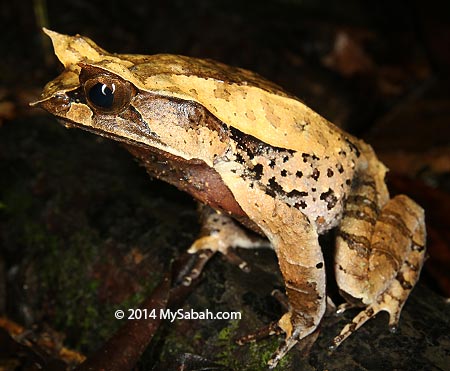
(255,156)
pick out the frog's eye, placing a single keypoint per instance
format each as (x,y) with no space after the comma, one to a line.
(107,94)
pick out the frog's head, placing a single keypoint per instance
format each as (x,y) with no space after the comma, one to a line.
(129,98)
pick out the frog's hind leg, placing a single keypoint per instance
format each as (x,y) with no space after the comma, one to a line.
(379,254)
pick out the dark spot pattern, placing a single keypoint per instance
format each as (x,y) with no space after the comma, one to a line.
(274,187)
(258,171)
(239,158)
(329,198)
(353,147)
(300,205)
(255,147)
(406,285)
(316,174)
(307,157)
(295,193)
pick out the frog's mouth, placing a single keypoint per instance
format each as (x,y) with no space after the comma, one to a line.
(74,125)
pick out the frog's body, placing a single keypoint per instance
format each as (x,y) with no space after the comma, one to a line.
(241,145)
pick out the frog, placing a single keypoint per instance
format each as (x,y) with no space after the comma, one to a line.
(259,161)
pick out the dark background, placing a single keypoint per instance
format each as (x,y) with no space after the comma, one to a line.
(83,231)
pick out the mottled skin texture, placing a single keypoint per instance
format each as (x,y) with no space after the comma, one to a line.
(259,156)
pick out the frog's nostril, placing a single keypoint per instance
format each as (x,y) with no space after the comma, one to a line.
(57,104)
(60,103)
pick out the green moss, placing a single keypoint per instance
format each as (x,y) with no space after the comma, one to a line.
(249,357)
(226,333)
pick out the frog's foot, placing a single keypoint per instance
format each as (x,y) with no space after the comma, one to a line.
(293,337)
(303,337)
(295,334)
(395,256)
(220,233)
(391,301)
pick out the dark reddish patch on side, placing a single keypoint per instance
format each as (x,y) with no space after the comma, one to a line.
(192,176)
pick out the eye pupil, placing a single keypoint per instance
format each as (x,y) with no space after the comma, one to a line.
(102,95)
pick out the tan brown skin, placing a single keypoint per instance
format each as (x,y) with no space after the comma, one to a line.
(257,155)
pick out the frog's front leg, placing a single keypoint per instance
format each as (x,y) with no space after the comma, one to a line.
(220,233)
(379,253)
(301,262)
(300,258)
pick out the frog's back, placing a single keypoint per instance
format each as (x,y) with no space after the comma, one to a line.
(241,99)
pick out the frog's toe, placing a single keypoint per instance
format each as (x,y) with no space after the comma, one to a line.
(351,327)
(219,242)
(343,308)
(236,260)
(288,344)
(296,334)
(220,233)
(194,267)
(262,333)
(295,338)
